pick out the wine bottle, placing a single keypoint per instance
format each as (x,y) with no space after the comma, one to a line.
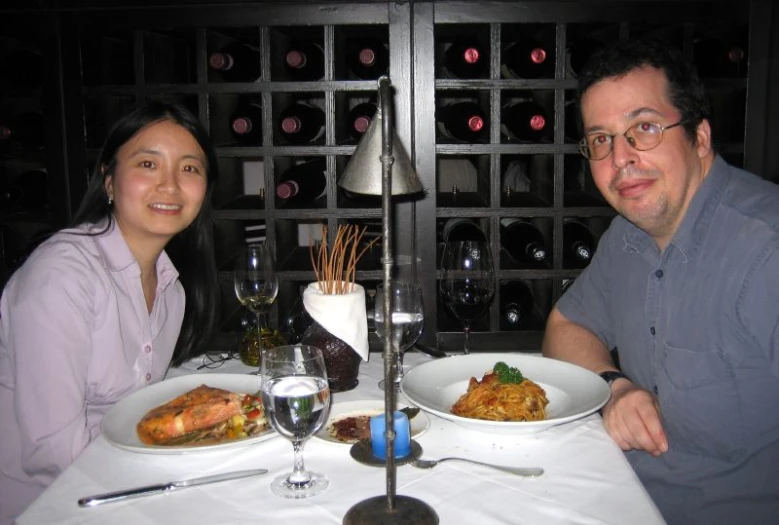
(25,128)
(579,52)
(24,69)
(523,242)
(10,195)
(462,121)
(360,118)
(718,58)
(246,122)
(578,244)
(33,189)
(465,58)
(524,121)
(368,58)
(516,304)
(574,174)
(573,128)
(462,229)
(303,183)
(305,61)
(301,123)
(237,62)
(527,58)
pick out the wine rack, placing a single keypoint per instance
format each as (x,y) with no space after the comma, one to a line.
(25,200)
(117,54)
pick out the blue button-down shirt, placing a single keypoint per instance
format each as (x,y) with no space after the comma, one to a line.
(697,325)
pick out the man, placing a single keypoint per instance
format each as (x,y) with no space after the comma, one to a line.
(684,285)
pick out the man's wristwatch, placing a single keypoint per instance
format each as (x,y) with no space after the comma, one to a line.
(611,376)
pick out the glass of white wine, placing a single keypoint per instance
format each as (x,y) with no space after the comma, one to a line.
(256,286)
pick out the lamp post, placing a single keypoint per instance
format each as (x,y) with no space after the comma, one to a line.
(362,175)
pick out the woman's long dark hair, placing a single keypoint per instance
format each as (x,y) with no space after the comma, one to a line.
(192,250)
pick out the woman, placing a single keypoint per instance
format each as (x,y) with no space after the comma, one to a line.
(98,311)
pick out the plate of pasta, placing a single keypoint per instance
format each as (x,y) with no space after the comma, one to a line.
(504,392)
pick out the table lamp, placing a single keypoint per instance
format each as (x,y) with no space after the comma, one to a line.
(370,171)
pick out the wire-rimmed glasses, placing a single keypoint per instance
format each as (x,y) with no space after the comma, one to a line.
(642,136)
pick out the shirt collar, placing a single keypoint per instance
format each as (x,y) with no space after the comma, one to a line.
(697,218)
(118,257)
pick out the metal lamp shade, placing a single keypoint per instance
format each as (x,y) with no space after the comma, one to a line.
(364,171)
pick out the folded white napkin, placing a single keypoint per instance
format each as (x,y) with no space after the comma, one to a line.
(343,315)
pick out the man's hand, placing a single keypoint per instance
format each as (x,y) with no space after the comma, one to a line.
(632,419)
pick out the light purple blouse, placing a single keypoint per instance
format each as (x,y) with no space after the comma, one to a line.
(75,338)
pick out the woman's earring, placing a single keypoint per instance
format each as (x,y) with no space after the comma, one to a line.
(110,200)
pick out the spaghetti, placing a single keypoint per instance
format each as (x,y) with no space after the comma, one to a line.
(494,400)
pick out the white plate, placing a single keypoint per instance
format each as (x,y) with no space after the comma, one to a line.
(118,425)
(573,391)
(418,424)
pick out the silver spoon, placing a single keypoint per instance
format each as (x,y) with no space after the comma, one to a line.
(531,472)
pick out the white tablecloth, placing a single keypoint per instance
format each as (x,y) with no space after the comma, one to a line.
(587,479)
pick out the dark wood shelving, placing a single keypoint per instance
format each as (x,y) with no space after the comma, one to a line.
(168,49)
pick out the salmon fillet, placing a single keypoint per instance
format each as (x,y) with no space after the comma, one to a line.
(195,410)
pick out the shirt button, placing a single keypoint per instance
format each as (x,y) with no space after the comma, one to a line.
(654,389)
(147,348)
(652,330)
(659,274)
(148,377)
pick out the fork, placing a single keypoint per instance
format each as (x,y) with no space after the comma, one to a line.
(531,472)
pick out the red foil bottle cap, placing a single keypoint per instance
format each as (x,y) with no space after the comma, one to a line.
(288,189)
(537,122)
(242,125)
(220,61)
(367,56)
(296,59)
(471,55)
(538,55)
(291,125)
(475,123)
(361,124)
(736,54)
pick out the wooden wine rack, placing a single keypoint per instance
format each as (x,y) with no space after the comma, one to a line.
(128,53)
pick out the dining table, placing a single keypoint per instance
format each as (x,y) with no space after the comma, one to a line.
(587,479)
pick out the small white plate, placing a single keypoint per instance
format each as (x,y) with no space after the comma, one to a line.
(119,424)
(371,407)
(573,391)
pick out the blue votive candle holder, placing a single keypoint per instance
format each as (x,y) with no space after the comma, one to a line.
(402,435)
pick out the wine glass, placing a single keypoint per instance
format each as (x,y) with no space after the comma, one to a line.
(256,286)
(296,399)
(467,281)
(407,321)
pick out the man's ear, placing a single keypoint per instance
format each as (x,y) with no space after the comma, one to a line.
(703,138)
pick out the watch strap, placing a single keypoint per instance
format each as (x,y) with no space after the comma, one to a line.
(611,375)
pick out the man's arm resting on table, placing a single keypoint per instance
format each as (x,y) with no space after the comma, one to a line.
(631,416)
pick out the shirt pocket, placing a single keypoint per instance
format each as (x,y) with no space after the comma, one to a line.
(699,403)
(688,368)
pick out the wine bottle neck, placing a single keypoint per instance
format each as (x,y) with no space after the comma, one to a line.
(291,125)
(287,189)
(296,59)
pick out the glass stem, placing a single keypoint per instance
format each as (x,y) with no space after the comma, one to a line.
(259,332)
(466,344)
(398,365)
(299,476)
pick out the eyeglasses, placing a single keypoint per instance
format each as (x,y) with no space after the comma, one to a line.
(642,136)
(212,361)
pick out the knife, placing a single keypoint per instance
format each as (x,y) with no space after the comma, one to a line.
(148,490)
